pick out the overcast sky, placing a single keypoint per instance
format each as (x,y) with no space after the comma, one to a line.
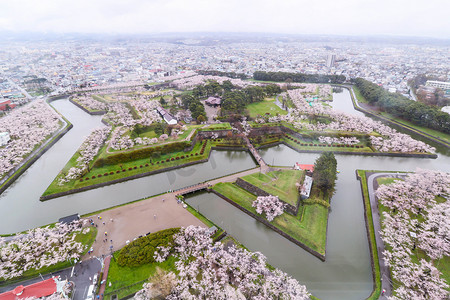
(344,17)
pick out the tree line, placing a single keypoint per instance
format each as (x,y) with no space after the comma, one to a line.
(400,106)
(298,77)
(233,97)
(223,74)
(324,174)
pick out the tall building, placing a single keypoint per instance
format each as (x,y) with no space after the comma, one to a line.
(331,59)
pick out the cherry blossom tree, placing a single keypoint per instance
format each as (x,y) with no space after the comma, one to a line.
(415,220)
(87,151)
(40,247)
(209,271)
(28,126)
(270,205)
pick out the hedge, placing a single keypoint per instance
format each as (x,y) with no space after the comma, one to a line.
(142,250)
(132,155)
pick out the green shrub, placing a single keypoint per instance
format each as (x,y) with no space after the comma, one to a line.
(317,201)
(141,250)
(118,158)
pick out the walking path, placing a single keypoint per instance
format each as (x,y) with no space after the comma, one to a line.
(104,277)
(384,270)
(263,166)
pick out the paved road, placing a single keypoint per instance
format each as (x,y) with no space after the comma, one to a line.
(82,276)
(384,270)
(21,89)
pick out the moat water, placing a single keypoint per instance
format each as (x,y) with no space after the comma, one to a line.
(346,274)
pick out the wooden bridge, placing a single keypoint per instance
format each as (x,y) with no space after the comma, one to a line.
(191,189)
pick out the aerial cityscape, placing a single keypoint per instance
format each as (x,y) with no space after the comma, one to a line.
(153,151)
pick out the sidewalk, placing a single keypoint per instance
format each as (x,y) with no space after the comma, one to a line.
(104,277)
(384,270)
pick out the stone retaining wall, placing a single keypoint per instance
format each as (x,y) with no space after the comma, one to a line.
(265,222)
(94,113)
(102,184)
(367,230)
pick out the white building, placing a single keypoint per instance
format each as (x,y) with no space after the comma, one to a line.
(439,84)
(4,138)
(331,59)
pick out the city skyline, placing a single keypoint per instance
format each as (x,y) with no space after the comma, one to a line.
(349,17)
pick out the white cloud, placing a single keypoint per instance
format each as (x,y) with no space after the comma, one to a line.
(395,17)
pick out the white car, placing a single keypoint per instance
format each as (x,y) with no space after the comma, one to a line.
(90,293)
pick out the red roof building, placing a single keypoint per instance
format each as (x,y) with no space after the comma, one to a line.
(36,290)
(304,167)
(6,103)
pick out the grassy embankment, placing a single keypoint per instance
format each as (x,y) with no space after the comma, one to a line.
(309,227)
(314,145)
(280,183)
(434,133)
(126,169)
(373,245)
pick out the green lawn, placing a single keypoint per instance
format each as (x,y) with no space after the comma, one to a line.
(263,107)
(386,180)
(127,280)
(358,95)
(280,183)
(315,146)
(309,228)
(218,126)
(153,165)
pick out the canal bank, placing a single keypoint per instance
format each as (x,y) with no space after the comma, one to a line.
(345,275)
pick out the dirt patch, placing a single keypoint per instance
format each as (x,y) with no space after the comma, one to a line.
(132,220)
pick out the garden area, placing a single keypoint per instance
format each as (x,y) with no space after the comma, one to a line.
(136,263)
